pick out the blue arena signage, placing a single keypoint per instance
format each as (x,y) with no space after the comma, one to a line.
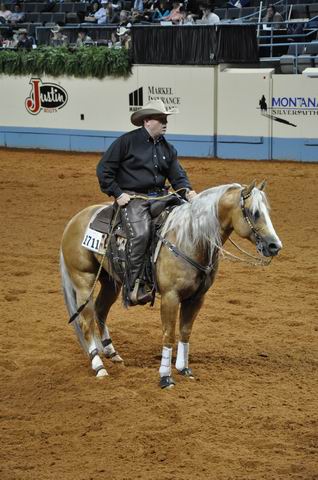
(294,102)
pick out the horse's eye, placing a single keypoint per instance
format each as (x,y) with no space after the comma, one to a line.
(256,215)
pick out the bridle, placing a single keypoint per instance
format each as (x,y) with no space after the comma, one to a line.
(247,217)
(256,261)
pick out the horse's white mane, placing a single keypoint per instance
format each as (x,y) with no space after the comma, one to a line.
(197,223)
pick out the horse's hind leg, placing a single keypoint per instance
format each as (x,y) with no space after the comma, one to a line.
(88,325)
(107,295)
(188,313)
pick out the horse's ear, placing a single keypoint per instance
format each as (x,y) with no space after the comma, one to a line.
(262,185)
(247,190)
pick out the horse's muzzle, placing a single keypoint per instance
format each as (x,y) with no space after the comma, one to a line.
(269,249)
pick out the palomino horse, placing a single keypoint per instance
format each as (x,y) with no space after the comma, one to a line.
(186,267)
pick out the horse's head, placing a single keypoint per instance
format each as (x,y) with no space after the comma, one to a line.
(251,220)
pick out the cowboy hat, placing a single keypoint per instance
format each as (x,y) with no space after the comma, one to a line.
(21,30)
(121,31)
(56,29)
(155,107)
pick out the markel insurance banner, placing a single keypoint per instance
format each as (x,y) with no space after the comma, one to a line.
(88,114)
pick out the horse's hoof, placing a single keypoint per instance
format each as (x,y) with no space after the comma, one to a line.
(167,382)
(101,373)
(114,357)
(117,359)
(186,372)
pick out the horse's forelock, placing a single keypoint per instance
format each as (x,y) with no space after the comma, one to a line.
(258,200)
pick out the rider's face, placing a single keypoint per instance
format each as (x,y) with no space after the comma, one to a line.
(156,125)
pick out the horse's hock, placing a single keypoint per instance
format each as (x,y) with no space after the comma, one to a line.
(252,413)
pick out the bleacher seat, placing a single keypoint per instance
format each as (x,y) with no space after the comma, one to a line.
(287,64)
(221,13)
(32,17)
(313,10)
(300,11)
(246,11)
(304,61)
(66,7)
(233,13)
(312,48)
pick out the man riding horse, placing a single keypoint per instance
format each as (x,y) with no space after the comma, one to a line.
(139,163)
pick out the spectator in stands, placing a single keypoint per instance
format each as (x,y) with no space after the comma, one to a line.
(9,41)
(161,11)
(295,28)
(186,17)
(121,39)
(49,6)
(24,41)
(110,11)
(17,16)
(83,38)
(273,16)
(58,39)
(140,17)
(121,18)
(138,5)
(208,16)
(175,14)
(5,13)
(97,15)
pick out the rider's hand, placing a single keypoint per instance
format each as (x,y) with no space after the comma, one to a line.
(123,199)
(190,195)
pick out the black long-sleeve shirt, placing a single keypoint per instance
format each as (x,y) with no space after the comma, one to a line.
(137,163)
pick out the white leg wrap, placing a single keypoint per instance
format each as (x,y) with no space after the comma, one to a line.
(97,362)
(109,350)
(182,356)
(165,367)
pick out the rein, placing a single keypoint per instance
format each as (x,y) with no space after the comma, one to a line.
(202,268)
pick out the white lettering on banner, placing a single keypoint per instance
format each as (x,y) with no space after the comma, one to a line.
(94,241)
(52,96)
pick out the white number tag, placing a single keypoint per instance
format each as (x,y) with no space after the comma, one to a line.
(94,241)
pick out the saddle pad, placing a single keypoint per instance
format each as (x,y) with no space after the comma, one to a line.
(94,240)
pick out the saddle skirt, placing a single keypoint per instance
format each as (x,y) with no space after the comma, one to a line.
(96,239)
(98,230)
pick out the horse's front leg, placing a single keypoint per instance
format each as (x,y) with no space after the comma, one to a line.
(188,312)
(169,312)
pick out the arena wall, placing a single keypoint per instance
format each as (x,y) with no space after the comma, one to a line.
(229,113)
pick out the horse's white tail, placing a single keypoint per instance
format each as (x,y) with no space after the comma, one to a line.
(70,301)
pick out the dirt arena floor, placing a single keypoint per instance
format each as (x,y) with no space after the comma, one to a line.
(250,414)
